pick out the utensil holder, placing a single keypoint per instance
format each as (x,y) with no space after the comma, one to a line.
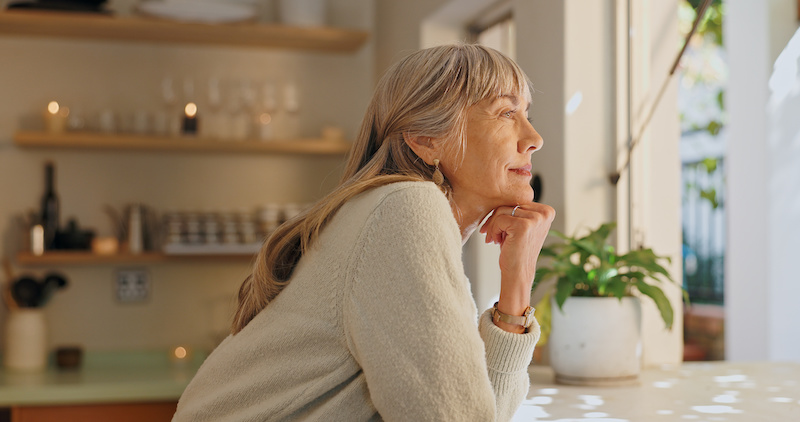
(26,340)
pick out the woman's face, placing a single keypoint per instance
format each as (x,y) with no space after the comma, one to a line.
(496,169)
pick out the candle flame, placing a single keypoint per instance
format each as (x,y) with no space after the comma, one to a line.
(180,352)
(52,107)
(191,109)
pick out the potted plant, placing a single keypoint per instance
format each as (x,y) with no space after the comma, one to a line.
(595,337)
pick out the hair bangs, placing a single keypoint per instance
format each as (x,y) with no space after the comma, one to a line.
(496,75)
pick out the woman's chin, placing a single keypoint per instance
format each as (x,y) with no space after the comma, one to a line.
(520,196)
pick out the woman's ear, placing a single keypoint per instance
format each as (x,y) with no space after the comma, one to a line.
(423,146)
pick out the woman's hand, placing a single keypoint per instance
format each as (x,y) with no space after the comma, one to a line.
(520,237)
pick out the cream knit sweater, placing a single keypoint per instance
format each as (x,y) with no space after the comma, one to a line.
(377,323)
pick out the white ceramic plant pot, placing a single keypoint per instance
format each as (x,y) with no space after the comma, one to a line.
(596,341)
(302,12)
(26,340)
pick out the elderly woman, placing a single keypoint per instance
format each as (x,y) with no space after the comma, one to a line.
(359,309)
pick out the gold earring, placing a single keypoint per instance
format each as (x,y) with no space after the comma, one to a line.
(438,177)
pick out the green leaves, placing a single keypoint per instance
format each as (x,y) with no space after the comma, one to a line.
(564,288)
(710,164)
(645,259)
(589,266)
(711,196)
(714,127)
(658,296)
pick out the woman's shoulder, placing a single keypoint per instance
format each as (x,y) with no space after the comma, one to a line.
(395,210)
(408,207)
(405,200)
(409,190)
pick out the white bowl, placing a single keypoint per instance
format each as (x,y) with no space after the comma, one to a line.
(198,11)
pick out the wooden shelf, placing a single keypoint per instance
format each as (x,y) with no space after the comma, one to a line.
(142,29)
(102,141)
(78,258)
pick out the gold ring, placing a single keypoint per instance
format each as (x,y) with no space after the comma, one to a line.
(514,210)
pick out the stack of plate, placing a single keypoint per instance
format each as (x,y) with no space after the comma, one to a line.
(205,11)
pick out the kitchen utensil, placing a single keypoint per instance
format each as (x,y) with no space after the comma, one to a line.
(26,291)
(73,237)
(7,269)
(135,241)
(6,286)
(116,221)
(52,282)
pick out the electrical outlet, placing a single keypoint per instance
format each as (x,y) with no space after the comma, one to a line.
(133,285)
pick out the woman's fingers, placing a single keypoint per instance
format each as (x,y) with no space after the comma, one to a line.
(517,218)
(520,237)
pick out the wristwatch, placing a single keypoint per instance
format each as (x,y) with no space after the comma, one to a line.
(526,320)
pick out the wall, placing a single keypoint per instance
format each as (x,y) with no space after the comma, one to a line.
(763,167)
(655,176)
(188,300)
(399,30)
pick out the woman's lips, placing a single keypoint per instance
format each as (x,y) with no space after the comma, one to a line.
(523,171)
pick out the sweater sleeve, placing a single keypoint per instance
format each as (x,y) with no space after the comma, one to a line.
(410,322)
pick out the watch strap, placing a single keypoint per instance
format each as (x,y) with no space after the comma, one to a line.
(526,320)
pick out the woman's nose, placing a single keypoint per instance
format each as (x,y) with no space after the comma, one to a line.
(530,140)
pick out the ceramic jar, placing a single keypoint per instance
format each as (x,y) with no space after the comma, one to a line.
(26,340)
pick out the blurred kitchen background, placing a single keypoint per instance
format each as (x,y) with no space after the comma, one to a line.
(189,302)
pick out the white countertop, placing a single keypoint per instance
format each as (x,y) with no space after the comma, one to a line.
(713,391)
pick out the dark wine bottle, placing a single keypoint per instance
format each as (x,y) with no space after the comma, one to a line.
(50,209)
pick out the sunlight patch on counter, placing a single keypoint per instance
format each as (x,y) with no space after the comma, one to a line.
(529,413)
(715,409)
(591,420)
(538,400)
(592,400)
(730,378)
(725,398)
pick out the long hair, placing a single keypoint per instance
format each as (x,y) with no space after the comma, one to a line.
(425,94)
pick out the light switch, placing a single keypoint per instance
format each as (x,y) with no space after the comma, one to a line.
(132,285)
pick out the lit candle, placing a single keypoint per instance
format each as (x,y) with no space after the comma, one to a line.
(55,118)
(180,355)
(190,119)
(265,127)
(37,239)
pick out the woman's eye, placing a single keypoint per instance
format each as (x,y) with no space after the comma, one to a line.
(508,114)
